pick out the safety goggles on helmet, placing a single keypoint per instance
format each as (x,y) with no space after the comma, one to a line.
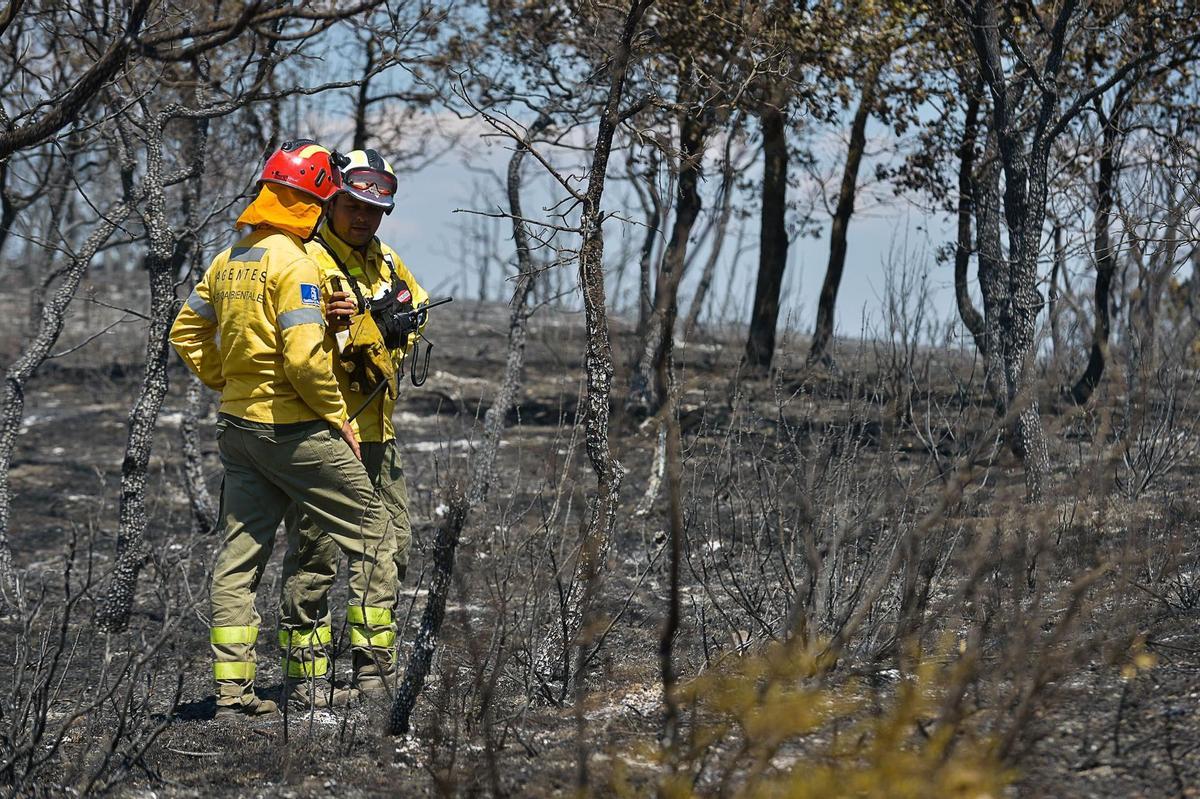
(376,188)
(368,177)
(373,183)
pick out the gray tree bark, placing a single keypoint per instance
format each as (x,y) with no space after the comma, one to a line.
(12,405)
(652,209)
(483,470)
(993,283)
(773,237)
(966,209)
(725,193)
(598,362)
(166,253)
(196,404)
(693,132)
(1104,252)
(1025,185)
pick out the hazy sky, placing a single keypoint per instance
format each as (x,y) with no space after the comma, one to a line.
(427,232)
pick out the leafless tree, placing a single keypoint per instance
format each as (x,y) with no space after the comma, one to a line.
(475,491)
(177,37)
(705,78)
(730,168)
(1111,118)
(1030,108)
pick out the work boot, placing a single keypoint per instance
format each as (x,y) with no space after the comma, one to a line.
(374,674)
(308,694)
(246,706)
(375,687)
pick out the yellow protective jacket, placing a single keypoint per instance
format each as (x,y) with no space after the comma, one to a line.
(254,330)
(372,269)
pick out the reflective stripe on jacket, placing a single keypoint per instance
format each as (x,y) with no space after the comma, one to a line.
(254,329)
(372,273)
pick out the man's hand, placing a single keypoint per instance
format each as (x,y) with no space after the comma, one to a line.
(348,436)
(339,310)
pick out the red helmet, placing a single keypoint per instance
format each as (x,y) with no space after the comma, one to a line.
(305,165)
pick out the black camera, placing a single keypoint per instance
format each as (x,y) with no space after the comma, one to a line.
(394,315)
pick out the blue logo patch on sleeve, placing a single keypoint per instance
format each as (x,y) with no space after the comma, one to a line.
(310,294)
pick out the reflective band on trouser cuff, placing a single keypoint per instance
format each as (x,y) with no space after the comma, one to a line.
(360,637)
(302,638)
(300,316)
(306,668)
(372,617)
(233,671)
(232,635)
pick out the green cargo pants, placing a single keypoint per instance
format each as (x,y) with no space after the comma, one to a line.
(269,468)
(309,569)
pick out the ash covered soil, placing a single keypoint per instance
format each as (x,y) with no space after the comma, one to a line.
(484,725)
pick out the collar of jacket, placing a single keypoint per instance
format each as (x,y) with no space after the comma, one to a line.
(369,255)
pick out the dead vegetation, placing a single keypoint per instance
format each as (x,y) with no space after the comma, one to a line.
(914,564)
(881,551)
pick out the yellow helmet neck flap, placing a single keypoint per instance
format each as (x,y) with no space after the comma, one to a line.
(284,208)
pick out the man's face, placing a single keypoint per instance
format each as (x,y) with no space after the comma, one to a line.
(354,221)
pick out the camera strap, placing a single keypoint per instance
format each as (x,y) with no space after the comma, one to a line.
(362,305)
(394,279)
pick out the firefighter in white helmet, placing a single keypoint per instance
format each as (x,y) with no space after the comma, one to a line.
(359,272)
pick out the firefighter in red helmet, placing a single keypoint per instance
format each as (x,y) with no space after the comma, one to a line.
(254,330)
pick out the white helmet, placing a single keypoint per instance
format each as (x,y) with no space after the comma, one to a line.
(367,176)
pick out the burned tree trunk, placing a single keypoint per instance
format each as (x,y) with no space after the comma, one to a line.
(1053,304)
(131,552)
(668,388)
(197,403)
(1154,268)
(166,255)
(725,192)
(993,283)
(204,509)
(1023,142)
(1105,254)
(464,499)
(61,215)
(827,302)
(692,134)
(362,100)
(966,209)
(12,406)
(773,236)
(1028,114)
(598,361)
(1011,301)
(1025,301)
(11,204)
(652,209)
